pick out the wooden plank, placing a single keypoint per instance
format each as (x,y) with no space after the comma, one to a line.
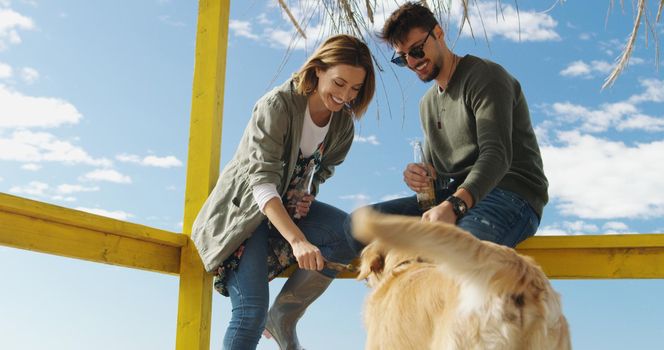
(592,256)
(87,221)
(40,235)
(195,298)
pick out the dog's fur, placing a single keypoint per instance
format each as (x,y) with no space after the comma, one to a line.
(435,286)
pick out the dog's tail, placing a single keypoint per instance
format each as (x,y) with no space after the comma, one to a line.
(445,244)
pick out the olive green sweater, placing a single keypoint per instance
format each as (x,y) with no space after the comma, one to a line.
(478,131)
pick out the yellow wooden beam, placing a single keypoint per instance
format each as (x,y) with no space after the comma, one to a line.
(195,299)
(598,256)
(77,218)
(593,256)
(46,228)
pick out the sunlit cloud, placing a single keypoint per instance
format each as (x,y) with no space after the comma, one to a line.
(34,147)
(31,166)
(622,115)
(358,200)
(22,111)
(154,161)
(108,175)
(11,22)
(6,71)
(114,214)
(596,178)
(29,75)
(242,29)
(69,188)
(371,139)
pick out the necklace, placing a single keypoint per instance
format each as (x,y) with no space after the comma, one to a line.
(455,62)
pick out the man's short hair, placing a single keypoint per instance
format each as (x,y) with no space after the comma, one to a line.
(408,16)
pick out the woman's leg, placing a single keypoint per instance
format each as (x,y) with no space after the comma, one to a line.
(249,293)
(323,227)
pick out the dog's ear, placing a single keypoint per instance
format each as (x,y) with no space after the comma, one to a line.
(378,264)
(371,261)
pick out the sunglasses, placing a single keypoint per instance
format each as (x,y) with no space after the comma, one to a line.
(415,52)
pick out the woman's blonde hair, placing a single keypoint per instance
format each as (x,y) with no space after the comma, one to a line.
(339,49)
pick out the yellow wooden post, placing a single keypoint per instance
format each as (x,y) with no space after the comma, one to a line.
(195,299)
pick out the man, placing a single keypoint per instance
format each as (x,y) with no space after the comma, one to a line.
(479,140)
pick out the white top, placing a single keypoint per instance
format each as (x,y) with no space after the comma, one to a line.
(312,136)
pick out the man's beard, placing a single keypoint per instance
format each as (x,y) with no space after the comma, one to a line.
(433,75)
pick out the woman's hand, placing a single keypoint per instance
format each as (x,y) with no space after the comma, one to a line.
(308,255)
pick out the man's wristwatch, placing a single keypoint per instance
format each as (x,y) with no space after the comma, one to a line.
(458,205)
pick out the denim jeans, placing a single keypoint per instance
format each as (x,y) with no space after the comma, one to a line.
(502,217)
(248,284)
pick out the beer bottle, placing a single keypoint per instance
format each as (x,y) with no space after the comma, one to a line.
(426,198)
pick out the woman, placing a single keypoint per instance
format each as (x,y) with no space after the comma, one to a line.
(244,233)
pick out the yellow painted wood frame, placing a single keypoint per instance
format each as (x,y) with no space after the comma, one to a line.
(46,228)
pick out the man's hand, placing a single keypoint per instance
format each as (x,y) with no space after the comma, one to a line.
(442,212)
(415,176)
(308,255)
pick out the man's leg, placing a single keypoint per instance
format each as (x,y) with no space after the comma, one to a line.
(502,217)
(401,206)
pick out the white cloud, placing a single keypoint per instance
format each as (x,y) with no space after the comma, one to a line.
(576,68)
(29,75)
(623,115)
(10,24)
(128,158)
(64,198)
(641,122)
(242,29)
(34,147)
(31,166)
(42,190)
(615,227)
(654,91)
(160,162)
(21,111)
(568,228)
(389,197)
(371,139)
(6,71)
(34,188)
(359,199)
(263,20)
(512,25)
(597,120)
(109,175)
(586,70)
(524,26)
(595,178)
(585,36)
(68,189)
(117,214)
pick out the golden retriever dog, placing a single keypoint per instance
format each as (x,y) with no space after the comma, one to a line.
(436,286)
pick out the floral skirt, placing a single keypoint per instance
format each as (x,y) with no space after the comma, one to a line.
(279,258)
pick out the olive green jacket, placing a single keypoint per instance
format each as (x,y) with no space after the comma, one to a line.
(267,153)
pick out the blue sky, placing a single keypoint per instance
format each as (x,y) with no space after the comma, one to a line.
(94,114)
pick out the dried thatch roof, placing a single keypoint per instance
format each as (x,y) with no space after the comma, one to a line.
(357,17)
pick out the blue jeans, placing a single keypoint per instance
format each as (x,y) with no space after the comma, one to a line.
(502,217)
(248,284)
